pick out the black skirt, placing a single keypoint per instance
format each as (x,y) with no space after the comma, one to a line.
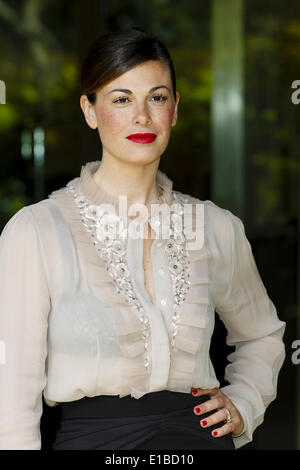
(158,420)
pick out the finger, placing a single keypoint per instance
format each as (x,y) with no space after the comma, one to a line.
(215,418)
(209,405)
(197,392)
(222,431)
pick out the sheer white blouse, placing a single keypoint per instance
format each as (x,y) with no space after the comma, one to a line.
(77,320)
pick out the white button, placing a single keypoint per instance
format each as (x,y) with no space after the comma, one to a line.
(163,302)
(161,272)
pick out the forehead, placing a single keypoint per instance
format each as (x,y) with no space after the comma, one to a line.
(143,76)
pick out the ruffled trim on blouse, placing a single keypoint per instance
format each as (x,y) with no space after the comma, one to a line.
(128,328)
(191,315)
(194,319)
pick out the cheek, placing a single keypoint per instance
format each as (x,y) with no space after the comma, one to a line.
(110,121)
(167,116)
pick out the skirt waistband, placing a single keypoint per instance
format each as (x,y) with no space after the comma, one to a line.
(109,406)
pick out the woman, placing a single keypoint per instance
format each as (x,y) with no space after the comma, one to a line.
(112,322)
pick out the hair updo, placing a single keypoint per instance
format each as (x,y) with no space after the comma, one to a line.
(114,53)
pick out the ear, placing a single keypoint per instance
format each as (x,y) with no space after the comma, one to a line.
(88,111)
(175,114)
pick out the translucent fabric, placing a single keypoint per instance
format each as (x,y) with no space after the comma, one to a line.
(71,329)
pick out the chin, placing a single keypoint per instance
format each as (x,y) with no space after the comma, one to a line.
(140,159)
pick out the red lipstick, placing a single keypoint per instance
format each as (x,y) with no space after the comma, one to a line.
(146,138)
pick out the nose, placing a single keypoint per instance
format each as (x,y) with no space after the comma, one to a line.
(142,115)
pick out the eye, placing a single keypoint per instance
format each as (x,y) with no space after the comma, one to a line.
(120,100)
(161,98)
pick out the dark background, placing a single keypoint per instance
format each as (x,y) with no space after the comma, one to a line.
(236,141)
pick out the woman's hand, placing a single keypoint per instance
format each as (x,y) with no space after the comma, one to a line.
(218,401)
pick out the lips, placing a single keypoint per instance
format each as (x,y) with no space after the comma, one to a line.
(145,138)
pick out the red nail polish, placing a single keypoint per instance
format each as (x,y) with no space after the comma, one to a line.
(204,422)
(194,392)
(197,410)
(215,433)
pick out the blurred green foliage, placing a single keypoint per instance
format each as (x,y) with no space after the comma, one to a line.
(272,63)
(39,64)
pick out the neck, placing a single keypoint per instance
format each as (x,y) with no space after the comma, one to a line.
(137,182)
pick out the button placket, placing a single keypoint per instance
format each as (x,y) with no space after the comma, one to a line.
(159,341)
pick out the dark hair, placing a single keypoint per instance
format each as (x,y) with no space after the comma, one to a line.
(115,53)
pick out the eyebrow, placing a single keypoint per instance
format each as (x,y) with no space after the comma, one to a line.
(125,90)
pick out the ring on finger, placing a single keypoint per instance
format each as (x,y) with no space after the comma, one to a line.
(228,415)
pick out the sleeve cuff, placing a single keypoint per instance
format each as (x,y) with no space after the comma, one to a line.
(244,409)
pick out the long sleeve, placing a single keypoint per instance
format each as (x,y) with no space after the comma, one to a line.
(255,330)
(24,308)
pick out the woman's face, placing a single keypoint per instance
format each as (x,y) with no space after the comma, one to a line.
(118,114)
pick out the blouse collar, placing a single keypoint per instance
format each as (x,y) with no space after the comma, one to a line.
(97,195)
